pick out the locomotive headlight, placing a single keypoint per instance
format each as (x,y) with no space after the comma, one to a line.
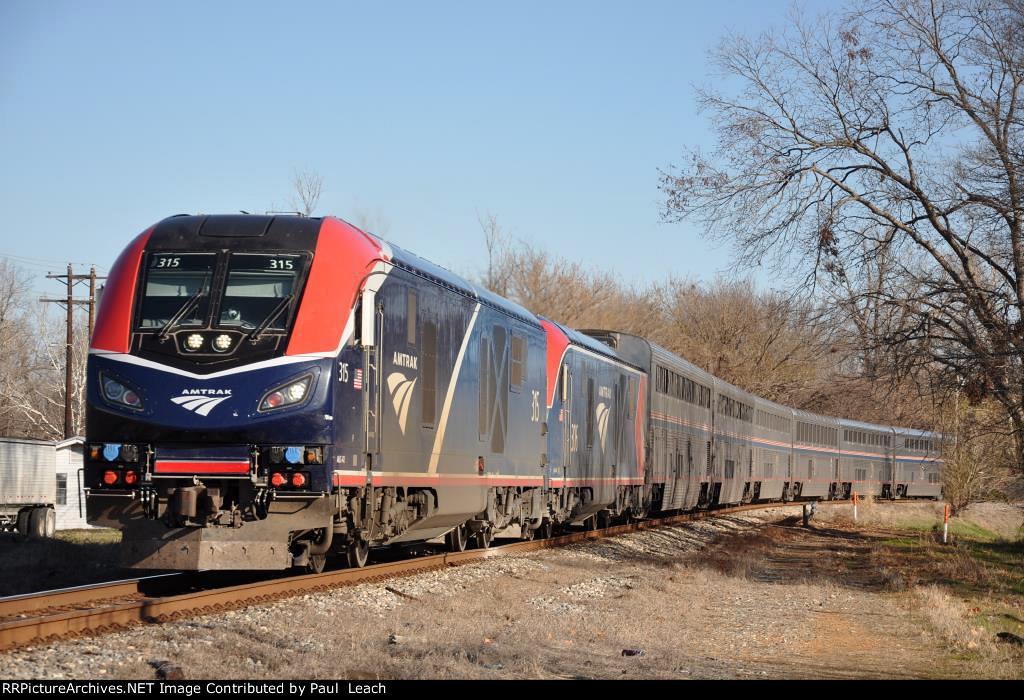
(194,342)
(296,392)
(114,390)
(286,395)
(117,393)
(222,343)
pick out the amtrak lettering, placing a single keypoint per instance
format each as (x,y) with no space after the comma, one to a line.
(403,360)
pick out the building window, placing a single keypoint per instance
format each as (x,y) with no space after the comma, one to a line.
(62,489)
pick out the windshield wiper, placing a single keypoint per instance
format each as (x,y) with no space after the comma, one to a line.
(271,317)
(185,308)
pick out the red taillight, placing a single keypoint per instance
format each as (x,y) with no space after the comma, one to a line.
(275,399)
(131,398)
(278,479)
(130,477)
(110,477)
(298,480)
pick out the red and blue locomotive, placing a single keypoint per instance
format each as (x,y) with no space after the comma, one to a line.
(264,391)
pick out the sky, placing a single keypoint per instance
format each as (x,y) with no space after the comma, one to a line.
(555,117)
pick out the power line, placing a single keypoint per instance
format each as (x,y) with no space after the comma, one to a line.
(43,263)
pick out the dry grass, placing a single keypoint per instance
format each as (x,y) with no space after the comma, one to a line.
(958,624)
(783,602)
(951,618)
(738,557)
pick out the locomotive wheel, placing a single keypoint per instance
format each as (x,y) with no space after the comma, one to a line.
(545,531)
(317,563)
(358,552)
(604,520)
(590,524)
(526,534)
(456,539)
(484,538)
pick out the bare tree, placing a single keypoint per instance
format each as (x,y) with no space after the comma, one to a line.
(374,222)
(496,241)
(978,453)
(307,186)
(765,342)
(893,130)
(16,343)
(32,357)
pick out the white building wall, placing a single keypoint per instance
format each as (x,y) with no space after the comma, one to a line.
(69,459)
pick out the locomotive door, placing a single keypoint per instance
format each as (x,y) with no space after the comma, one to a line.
(372,340)
(568,427)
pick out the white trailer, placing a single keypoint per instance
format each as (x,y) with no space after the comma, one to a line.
(28,489)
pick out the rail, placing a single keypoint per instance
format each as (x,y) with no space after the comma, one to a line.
(52,615)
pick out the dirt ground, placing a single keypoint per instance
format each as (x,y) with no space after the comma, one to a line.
(71,558)
(736,597)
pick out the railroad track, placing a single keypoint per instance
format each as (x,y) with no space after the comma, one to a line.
(96,609)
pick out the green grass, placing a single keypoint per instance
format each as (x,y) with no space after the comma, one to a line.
(957,528)
(979,568)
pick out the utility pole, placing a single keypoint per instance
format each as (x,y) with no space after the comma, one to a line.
(92,299)
(70,279)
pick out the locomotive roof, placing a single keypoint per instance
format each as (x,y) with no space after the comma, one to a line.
(218,231)
(275,232)
(402,258)
(596,346)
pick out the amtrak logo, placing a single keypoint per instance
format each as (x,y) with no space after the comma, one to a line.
(202,401)
(602,423)
(401,396)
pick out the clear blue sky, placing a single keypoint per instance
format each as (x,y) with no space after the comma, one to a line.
(554,116)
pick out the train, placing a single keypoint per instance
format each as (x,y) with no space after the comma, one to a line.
(266,392)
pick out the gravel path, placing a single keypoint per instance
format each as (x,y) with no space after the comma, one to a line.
(720,598)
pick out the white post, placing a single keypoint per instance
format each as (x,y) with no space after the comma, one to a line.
(855,507)
(945,523)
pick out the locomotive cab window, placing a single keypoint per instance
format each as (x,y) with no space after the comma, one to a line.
(177,289)
(260,290)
